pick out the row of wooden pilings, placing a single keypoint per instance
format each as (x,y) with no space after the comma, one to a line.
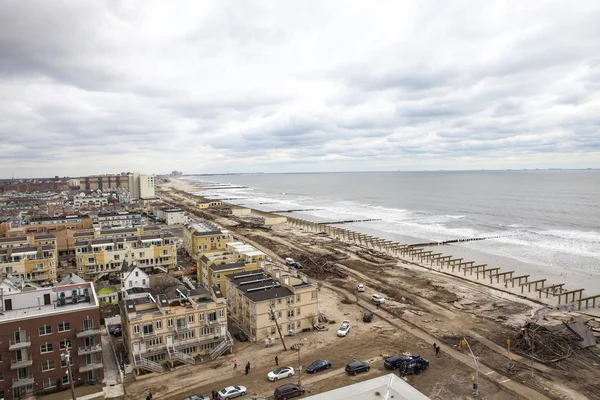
(457,265)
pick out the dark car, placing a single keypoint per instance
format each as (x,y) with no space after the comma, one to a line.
(414,364)
(241,336)
(393,362)
(318,365)
(355,367)
(288,391)
(368,316)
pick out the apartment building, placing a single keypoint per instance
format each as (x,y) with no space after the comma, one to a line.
(181,326)
(100,257)
(214,267)
(104,182)
(171,216)
(121,219)
(37,326)
(201,237)
(32,258)
(142,186)
(89,202)
(259,300)
(116,232)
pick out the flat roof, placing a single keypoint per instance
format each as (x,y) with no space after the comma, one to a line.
(258,286)
(170,210)
(204,228)
(225,267)
(36,311)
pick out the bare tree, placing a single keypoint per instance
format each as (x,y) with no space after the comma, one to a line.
(160,284)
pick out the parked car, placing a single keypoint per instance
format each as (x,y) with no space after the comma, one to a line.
(290,390)
(280,373)
(112,328)
(231,392)
(355,367)
(241,336)
(414,364)
(297,265)
(344,329)
(289,261)
(198,397)
(318,365)
(367,316)
(377,298)
(360,287)
(393,362)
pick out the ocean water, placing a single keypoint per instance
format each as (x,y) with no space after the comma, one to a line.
(546,222)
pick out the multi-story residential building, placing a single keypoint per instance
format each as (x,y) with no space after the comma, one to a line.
(62,227)
(204,237)
(117,232)
(87,202)
(31,258)
(259,300)
(214,267)
(121,219)
(142,186)
(171,216)
(99,257)
(178,327)
(39,325)
(104,182)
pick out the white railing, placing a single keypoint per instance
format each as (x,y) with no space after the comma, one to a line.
(225,345)
(141,362)
(181,356)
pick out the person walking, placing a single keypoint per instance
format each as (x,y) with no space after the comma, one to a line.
(434,346)
(247,368)
(213,395)
(234,364)
(437,350)
(276,361)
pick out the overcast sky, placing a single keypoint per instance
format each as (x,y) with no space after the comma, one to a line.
(108,86)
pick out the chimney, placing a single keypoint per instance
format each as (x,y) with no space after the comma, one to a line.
(39,303)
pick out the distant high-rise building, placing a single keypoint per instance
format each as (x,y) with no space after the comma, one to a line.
(142,186)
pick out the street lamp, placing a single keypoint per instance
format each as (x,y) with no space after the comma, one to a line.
(65,356)
(298,347)
(476,382)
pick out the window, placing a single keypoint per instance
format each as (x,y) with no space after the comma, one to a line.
(45,330)
(165,252)
(144,281)
(298,311)
(1,376)
(298,298)
(46,348)
(170,322)
(290,300)
(64,344)
(155,342)
(188,335)
(90,260)
(272,330)
(159,324)
(130,283)
(313,295)
(65,326)
(218,276)
(65,380)
(0,362)
(299,324)
(148,329)
(221,313)
(116,257)
(290,313)
(63,363)
(142,254)
(47,365)
(191,318)
(201,316)
(136,329)
(137,274)
(272,303)
(49,383)
(278,301)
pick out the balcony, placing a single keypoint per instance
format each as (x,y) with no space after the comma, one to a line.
(24,381)
(26,362)
(182,328)
(40,277)
(88,331)
(213,321)
(82,351)
(19,344)
(147,334)
(90,367)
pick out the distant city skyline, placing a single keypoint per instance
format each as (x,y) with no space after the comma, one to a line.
(222,87)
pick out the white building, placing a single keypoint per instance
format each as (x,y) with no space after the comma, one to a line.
(121,219)
(142,186)
(171,216)
(133,277)
(383,387)
(87,202)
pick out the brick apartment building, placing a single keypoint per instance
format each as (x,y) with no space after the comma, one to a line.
(36,326)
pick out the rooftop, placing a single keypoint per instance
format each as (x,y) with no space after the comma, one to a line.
(171,210)
(258,286)
(203,228)
(225,267)
(67,298)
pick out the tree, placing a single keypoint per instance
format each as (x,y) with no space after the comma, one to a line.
(161,284)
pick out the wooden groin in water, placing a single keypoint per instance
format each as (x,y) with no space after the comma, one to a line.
(429,258)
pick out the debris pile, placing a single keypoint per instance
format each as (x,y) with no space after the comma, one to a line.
(321,266)
(548,344)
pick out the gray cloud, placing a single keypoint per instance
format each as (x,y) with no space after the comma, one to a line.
(221,87)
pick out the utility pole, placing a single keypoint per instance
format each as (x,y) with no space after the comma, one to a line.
(277,325)
(298,347)
(66,356)
(476,382)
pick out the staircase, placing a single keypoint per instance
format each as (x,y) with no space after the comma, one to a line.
(146,364)
(97,278)
(225,345)
(158,267)
(180,356)
(189,283)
